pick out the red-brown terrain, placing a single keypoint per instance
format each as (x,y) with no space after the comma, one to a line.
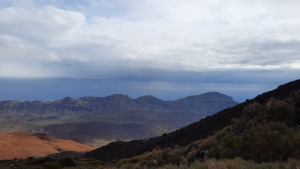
(23,145)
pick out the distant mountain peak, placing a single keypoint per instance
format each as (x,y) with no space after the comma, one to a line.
(209,95)
(214,94)
(147,97)
(67,99)
(118,96)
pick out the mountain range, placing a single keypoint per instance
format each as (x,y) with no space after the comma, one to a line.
(116,117)
(201,104)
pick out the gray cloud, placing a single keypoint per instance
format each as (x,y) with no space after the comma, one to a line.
(164,84)
(177,35)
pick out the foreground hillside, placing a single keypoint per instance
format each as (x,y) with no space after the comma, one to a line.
(92,120)
(24,145)
(284,97)
(264,136)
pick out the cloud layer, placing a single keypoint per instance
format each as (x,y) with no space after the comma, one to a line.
(64,39)
(171,48)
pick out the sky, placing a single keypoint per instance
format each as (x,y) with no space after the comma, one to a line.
(50,49)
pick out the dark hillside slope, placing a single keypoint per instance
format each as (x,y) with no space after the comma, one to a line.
(191,133)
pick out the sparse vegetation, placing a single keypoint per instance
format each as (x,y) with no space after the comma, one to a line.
(49,163)
(269,141)
(156,158)
(237,163)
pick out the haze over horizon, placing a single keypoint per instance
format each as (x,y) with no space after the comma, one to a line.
(168,49)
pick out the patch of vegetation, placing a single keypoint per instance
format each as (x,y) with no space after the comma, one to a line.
(263,133)
(52,165)
(236,163)
(44,163)
(269,141)
(156,158)
(38,161)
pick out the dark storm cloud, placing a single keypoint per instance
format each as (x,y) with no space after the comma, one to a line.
(272,52)
(225,76)
(166,85)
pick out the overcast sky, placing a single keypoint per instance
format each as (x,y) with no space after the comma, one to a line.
(50,49)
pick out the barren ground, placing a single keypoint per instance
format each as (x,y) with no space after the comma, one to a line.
(23,145)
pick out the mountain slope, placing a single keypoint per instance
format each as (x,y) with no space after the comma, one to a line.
(23,145)
(196,131)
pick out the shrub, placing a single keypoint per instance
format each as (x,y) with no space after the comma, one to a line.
(282,111)
(208,142)
(37,161)
(268,141)
(296,97)
(51,165)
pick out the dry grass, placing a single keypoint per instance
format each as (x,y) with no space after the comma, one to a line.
(132,163)
(237,163)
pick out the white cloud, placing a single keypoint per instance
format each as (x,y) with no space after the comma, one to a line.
(178,35)
(15,48)
(20,59)
(47,23)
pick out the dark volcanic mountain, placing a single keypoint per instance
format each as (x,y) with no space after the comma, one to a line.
(109,118)
(210,125)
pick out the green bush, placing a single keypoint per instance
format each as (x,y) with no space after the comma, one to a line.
(268,141)
(282,111)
